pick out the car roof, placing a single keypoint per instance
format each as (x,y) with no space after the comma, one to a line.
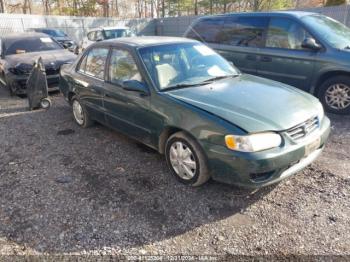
(296,14)
(45,29)
(143,41)
(21,35)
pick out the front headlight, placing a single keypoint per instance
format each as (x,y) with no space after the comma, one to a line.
(320,111)
(254,142)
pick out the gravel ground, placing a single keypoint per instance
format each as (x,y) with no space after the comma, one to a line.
(67,190)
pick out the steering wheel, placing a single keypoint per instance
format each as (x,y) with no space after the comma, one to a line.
(198,65)
(177,79)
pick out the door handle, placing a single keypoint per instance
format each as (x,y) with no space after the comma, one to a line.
(266,59)
(111,95)
(251,57)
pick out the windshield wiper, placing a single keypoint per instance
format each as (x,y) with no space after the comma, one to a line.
(178,86)
(216,78)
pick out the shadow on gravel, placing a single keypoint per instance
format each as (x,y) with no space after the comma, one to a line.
(66,189)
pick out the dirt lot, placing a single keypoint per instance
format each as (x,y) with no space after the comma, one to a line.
(67,190)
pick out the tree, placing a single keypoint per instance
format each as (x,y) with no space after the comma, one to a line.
(2,6)
(335,2)
(27,7)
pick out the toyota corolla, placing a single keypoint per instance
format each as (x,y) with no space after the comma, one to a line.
(181,98)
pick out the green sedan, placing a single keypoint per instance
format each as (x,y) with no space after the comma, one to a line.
(181,98)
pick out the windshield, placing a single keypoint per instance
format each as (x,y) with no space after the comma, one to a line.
(52,32)
(115,33)
(28,45)
(330,30)
(184,64)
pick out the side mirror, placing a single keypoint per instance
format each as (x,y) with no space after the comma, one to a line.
(99,39)
(310,43)
(65,45)
(136,86)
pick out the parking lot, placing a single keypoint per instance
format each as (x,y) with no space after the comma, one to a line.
(67,190)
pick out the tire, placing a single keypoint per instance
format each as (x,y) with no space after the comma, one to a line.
(45,103)
(338,88)
(195,163)
(83,119)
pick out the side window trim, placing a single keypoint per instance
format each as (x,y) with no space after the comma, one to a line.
(77,67)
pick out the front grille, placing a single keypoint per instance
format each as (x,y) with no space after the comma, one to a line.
(304,129)
(52,71)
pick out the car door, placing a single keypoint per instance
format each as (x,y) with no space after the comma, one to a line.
(240,41)
(89,81)
(283,58)
(126,110)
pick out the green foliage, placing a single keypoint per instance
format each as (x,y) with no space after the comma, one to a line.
(335,2)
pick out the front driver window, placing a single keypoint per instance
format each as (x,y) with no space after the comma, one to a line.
(286,34)
(123,67)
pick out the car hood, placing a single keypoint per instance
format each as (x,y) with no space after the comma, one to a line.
(254,104)
(50,58)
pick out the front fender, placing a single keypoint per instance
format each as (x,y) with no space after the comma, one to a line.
(201,125)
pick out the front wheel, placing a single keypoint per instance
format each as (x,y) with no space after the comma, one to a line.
(186,160)
(80,114)
(335,95)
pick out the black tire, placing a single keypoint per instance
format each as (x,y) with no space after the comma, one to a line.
(326,86)
(86,119)
(201,174)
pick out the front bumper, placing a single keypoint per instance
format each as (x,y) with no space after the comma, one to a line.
(264,168)
(18,83)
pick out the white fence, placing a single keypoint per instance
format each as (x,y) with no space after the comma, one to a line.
(76,27)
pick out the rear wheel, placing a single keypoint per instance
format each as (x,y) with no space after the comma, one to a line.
(335,95)
(186,160)
(80,114)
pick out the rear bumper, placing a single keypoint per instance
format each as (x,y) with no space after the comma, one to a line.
(264,168)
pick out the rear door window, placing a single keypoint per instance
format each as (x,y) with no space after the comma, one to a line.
(207,30)
(93,64)
(286,34)
(244,31)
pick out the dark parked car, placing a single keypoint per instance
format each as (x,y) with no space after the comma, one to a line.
(19,52)
(181,98)
(60,36)
(305,50)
